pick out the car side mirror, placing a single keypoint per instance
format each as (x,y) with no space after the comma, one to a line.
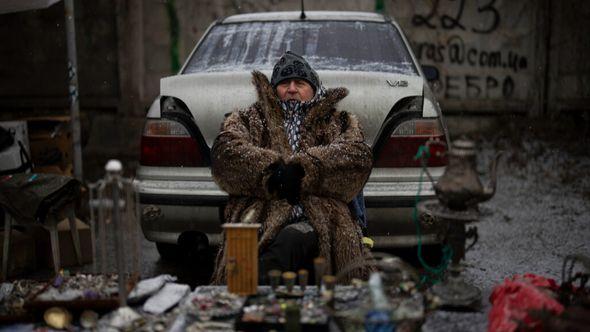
(430,73)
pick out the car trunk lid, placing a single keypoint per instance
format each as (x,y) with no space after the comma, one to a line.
(209,96)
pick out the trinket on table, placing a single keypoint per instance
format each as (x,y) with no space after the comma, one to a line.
(88,319)
(274,278)
(303,276)
(166,298)
(216,304)
(289,290)
(319,267)
(13,296)
(79,291)
(269,312)
(147,287)
(124,318)
(58,318)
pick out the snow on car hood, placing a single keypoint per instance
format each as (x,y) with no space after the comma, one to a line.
(209,96)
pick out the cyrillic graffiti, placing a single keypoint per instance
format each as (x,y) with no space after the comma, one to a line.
(473,86)
(472,66)
(487,12)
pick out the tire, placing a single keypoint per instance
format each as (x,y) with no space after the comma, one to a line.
(168,251)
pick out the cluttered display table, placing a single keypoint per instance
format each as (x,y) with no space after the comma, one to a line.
(90,302)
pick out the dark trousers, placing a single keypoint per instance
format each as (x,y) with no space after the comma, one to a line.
(294,248)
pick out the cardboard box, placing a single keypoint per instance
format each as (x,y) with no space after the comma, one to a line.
(51,144)
(22,253)
(66,245)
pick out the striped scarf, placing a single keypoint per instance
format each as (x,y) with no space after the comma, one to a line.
(294,112)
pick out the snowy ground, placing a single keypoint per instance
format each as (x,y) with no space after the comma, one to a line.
(539,215)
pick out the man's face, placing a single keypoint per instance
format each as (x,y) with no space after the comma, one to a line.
(294,89)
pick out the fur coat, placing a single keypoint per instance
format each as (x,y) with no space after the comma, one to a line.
(334,157)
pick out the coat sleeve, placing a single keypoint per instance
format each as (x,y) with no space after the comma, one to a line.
(238,166)
(340,168)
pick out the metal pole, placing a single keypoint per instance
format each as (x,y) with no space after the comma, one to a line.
(102,230)
(119,231)
(73,88)
(114,170)
(91,190)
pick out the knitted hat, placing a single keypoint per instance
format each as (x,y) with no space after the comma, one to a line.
(293,66)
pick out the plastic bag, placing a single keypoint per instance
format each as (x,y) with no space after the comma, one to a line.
(512,301)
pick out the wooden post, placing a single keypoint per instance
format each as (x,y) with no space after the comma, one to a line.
(73,88)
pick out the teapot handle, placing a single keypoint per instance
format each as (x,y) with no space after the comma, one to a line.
(471,233)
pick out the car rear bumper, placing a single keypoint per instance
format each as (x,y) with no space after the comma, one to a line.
(389,227)
(180,203)
(171,207)
(165,223)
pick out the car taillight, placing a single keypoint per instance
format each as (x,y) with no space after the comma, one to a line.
(399,149)
(168,143)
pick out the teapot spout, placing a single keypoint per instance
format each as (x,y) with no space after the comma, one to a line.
(490,189)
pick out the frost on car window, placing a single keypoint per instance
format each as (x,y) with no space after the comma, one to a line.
(333,45)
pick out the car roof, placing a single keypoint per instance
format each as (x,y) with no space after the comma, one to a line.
(309,16)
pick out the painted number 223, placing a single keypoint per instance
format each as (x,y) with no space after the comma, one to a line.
(449,22)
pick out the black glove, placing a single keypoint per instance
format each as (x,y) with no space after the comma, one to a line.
(293,175)
(275,183)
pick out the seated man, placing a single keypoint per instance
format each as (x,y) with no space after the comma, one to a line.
(293,162)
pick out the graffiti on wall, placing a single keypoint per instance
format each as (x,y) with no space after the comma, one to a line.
(454,51)
(455,20)
(481,47)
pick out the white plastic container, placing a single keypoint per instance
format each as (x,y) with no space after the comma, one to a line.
(10,158)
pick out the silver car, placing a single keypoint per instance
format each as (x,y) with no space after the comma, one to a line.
(364,52)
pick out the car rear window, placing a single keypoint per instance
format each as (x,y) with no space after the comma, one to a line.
(327,45)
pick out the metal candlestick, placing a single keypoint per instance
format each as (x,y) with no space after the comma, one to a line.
(319,266)
(289,280)
(303,276)
(454,292)
(458,193)
(274,279)
(117,203)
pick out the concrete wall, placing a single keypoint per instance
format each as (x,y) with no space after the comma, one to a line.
(33,57)
(488,52)
(568,71)
(495,56)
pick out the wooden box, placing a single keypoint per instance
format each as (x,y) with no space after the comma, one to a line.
(241,250)
(51,144)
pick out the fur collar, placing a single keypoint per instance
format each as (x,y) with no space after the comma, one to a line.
(269,100)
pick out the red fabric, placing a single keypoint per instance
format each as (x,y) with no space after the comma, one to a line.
(512,300)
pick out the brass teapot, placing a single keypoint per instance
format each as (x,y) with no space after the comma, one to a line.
(459,188)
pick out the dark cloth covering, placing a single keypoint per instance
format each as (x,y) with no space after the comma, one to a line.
(29,198)
(294,248)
